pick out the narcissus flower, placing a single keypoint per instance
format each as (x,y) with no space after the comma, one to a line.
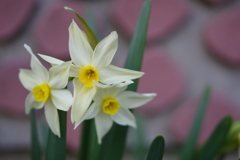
(112,103)
(91,66)
(46,88)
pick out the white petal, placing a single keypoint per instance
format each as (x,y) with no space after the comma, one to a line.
(77,85)
(81,102)
(74,71)
(59,75)
(131,99)
(105,50)
(103,124)
(39,70)
(79,48)
(51,60)
(62,99)
(52,118)
(112,74)
(92,112)
(104,91)
(31,103)
(124,117)
(28,79)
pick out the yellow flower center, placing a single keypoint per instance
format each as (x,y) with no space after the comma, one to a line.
(110,106)
(41,92)
(87,75)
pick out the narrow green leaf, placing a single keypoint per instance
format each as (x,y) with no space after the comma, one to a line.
(137,46)
(90,19)
(156,149)
(91,37)
(56,147)
(211,148)
(35,146)
(117,134)
(189,147)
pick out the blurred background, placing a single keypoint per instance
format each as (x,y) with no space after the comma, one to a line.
(190,44)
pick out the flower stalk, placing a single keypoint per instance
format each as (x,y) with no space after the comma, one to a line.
(35,146)
(56,147)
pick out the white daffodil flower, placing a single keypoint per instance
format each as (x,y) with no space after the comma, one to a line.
(112,103)
(46,88)
(91,65)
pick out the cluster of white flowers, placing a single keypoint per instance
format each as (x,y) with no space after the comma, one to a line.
(95,79)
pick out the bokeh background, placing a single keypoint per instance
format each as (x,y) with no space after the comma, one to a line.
(190,44)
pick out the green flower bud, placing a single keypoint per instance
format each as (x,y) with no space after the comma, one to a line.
(232,141)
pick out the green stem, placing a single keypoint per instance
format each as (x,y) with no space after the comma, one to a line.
(140,138)
(35,147)
(56,147)
(113,143)
(83,149)
(89,146)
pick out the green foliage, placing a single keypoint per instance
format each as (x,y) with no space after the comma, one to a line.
(189,147)
(156,149)
(56,147)
(140,144)
(35,146)
(211,148)
(232,141)
(89,147)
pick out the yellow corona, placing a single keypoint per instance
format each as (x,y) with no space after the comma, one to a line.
(41,92)
(87,75)
(110,106)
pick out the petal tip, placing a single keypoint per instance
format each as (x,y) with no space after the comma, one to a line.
(27,111)
(75,126)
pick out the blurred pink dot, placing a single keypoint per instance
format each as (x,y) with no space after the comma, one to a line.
(162,76)
(51,32)
(13,16)
(13,94)
(222,37)
(166,15)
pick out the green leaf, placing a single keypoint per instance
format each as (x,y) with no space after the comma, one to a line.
(91,37)
(216,140)
(35,146)
(56,147)
(137,47)
(189,147)
(117,135)
(156,149)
